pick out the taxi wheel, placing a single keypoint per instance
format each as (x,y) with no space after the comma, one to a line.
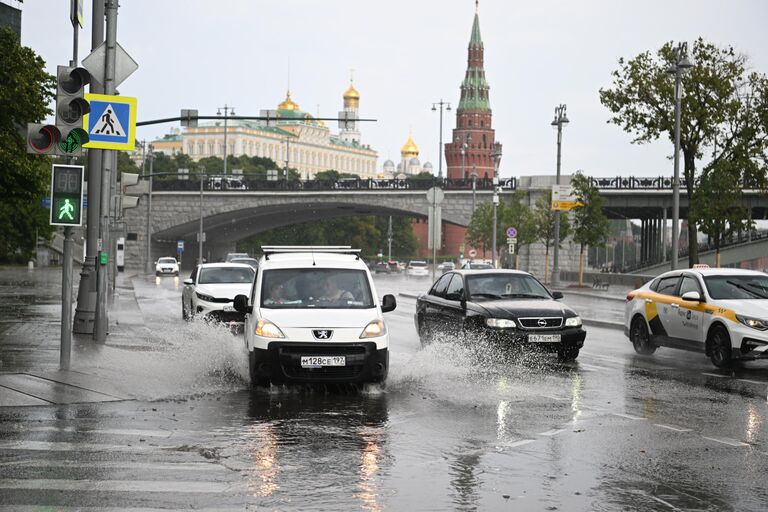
(184,311)
(641,339)
(720,347)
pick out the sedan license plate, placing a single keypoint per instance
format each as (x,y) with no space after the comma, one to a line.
(544,338)
(320,361)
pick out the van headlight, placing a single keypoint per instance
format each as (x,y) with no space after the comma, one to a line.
(574,321)
(500,323)
(206,298)
(267,329)
(374,329)
(755,323)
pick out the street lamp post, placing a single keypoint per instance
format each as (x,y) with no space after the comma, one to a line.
(560,121)
(200,232)
(447,105)
(680,65)
(496,155)
(474,187)
(151,156)
(228,111)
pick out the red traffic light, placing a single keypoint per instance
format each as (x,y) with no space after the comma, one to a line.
(42,138)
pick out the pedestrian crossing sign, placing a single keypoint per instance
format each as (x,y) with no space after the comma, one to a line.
(111,124)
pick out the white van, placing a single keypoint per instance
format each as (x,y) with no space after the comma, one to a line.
(313,316)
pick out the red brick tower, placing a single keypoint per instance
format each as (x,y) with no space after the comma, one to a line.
(473,128)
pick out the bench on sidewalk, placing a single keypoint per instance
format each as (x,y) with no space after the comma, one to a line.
(600,285)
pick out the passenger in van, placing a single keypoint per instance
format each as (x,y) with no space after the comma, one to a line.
(330,291)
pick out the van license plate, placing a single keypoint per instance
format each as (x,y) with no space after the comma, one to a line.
(320,361)
(544,338)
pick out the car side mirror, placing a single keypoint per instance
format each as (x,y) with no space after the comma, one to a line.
(692,296)
(241,304)
(189,281)
(155,262)
(388,303)
(557,295)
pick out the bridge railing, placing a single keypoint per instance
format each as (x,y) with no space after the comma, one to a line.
(656,183)
(236,183)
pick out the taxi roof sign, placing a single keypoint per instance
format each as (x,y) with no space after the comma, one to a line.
(700,265)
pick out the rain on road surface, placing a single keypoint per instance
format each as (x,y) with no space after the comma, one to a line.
(456,428)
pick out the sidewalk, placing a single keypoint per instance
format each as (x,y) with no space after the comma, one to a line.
(30,332)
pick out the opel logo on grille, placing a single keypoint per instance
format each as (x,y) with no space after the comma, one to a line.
(322,334)
(542,322)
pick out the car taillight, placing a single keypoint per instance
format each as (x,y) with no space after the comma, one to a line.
(630,297)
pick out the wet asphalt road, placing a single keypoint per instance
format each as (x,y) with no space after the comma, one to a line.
(455,429)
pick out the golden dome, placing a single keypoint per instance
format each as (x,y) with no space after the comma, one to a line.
(410,148)
(351,97)
(288,104)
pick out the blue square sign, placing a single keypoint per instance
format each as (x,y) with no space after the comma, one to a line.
(111,124)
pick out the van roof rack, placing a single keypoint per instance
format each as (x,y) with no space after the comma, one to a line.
(335,249)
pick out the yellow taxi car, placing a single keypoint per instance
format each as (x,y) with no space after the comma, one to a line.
(721,312)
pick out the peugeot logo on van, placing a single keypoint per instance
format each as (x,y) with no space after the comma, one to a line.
(322,334)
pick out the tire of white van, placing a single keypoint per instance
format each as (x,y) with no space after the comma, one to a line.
(720,347)
(185,312)
(256,381)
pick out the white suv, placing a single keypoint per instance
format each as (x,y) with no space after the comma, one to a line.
(312,316)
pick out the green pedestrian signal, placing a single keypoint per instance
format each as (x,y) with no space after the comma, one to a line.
(67,195)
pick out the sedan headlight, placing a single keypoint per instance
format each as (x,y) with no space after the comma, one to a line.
(755,323)
(206,298)
(574,321)
(500,323)
(267,329)
(374,329)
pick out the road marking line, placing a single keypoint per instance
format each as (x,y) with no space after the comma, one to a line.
(726,440)
(192,487)
(558,398)
(656,498)
(671,427)
(628,416)
(75,447)
(552,432)
(518,443)
(133,466)
(109,431)
(716,375)
(753,382)
(38,508)
(596,367)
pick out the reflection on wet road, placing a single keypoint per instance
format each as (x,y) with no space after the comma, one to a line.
(457,427)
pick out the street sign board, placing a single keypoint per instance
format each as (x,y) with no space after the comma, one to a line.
(95,64)
(111,124)
(189,117)
(472,253)
(67,195)
(511,232)
(435,195)
(563,198)
(511,248)
(76,13)
(180,246)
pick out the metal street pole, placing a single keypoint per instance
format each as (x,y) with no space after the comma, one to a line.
(200,233)
(435,233)
(85,312)
(151,156)
(389,240)
(435,106)
(680,65)
(560,120)
(227,112)
(109,158)
(474,188)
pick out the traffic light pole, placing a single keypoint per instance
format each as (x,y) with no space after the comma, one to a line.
(85,312)
(108,164)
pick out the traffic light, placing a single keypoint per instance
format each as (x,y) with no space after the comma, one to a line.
(66,136)
(67,195)
(130,196)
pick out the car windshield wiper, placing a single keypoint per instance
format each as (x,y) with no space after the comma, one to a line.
(488,295)
(748,290)
(524,295)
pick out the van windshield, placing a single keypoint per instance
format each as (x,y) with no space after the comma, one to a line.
(166,260)
(317,288)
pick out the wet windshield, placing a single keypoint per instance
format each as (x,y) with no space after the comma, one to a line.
(324,288)
(505,286)
(226,275)
(418,264)
(166,260)
(737,287)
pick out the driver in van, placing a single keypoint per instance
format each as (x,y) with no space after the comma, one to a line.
(330,291)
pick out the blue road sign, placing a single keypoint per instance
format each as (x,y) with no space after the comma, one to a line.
(511,232)
(180,246)
(111,124)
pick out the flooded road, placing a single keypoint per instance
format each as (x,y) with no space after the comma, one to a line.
(456,428)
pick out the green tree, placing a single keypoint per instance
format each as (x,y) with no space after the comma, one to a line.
(724,110)
(544,220)
(718,203)
(590,225)
(25,92)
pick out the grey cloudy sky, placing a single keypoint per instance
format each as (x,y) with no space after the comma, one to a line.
(406,55)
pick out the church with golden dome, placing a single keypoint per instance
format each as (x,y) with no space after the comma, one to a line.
(409,165)
(294,139)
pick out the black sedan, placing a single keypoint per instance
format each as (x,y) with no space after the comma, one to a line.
(508,307)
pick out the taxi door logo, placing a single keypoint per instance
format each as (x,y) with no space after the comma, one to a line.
(322,334)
